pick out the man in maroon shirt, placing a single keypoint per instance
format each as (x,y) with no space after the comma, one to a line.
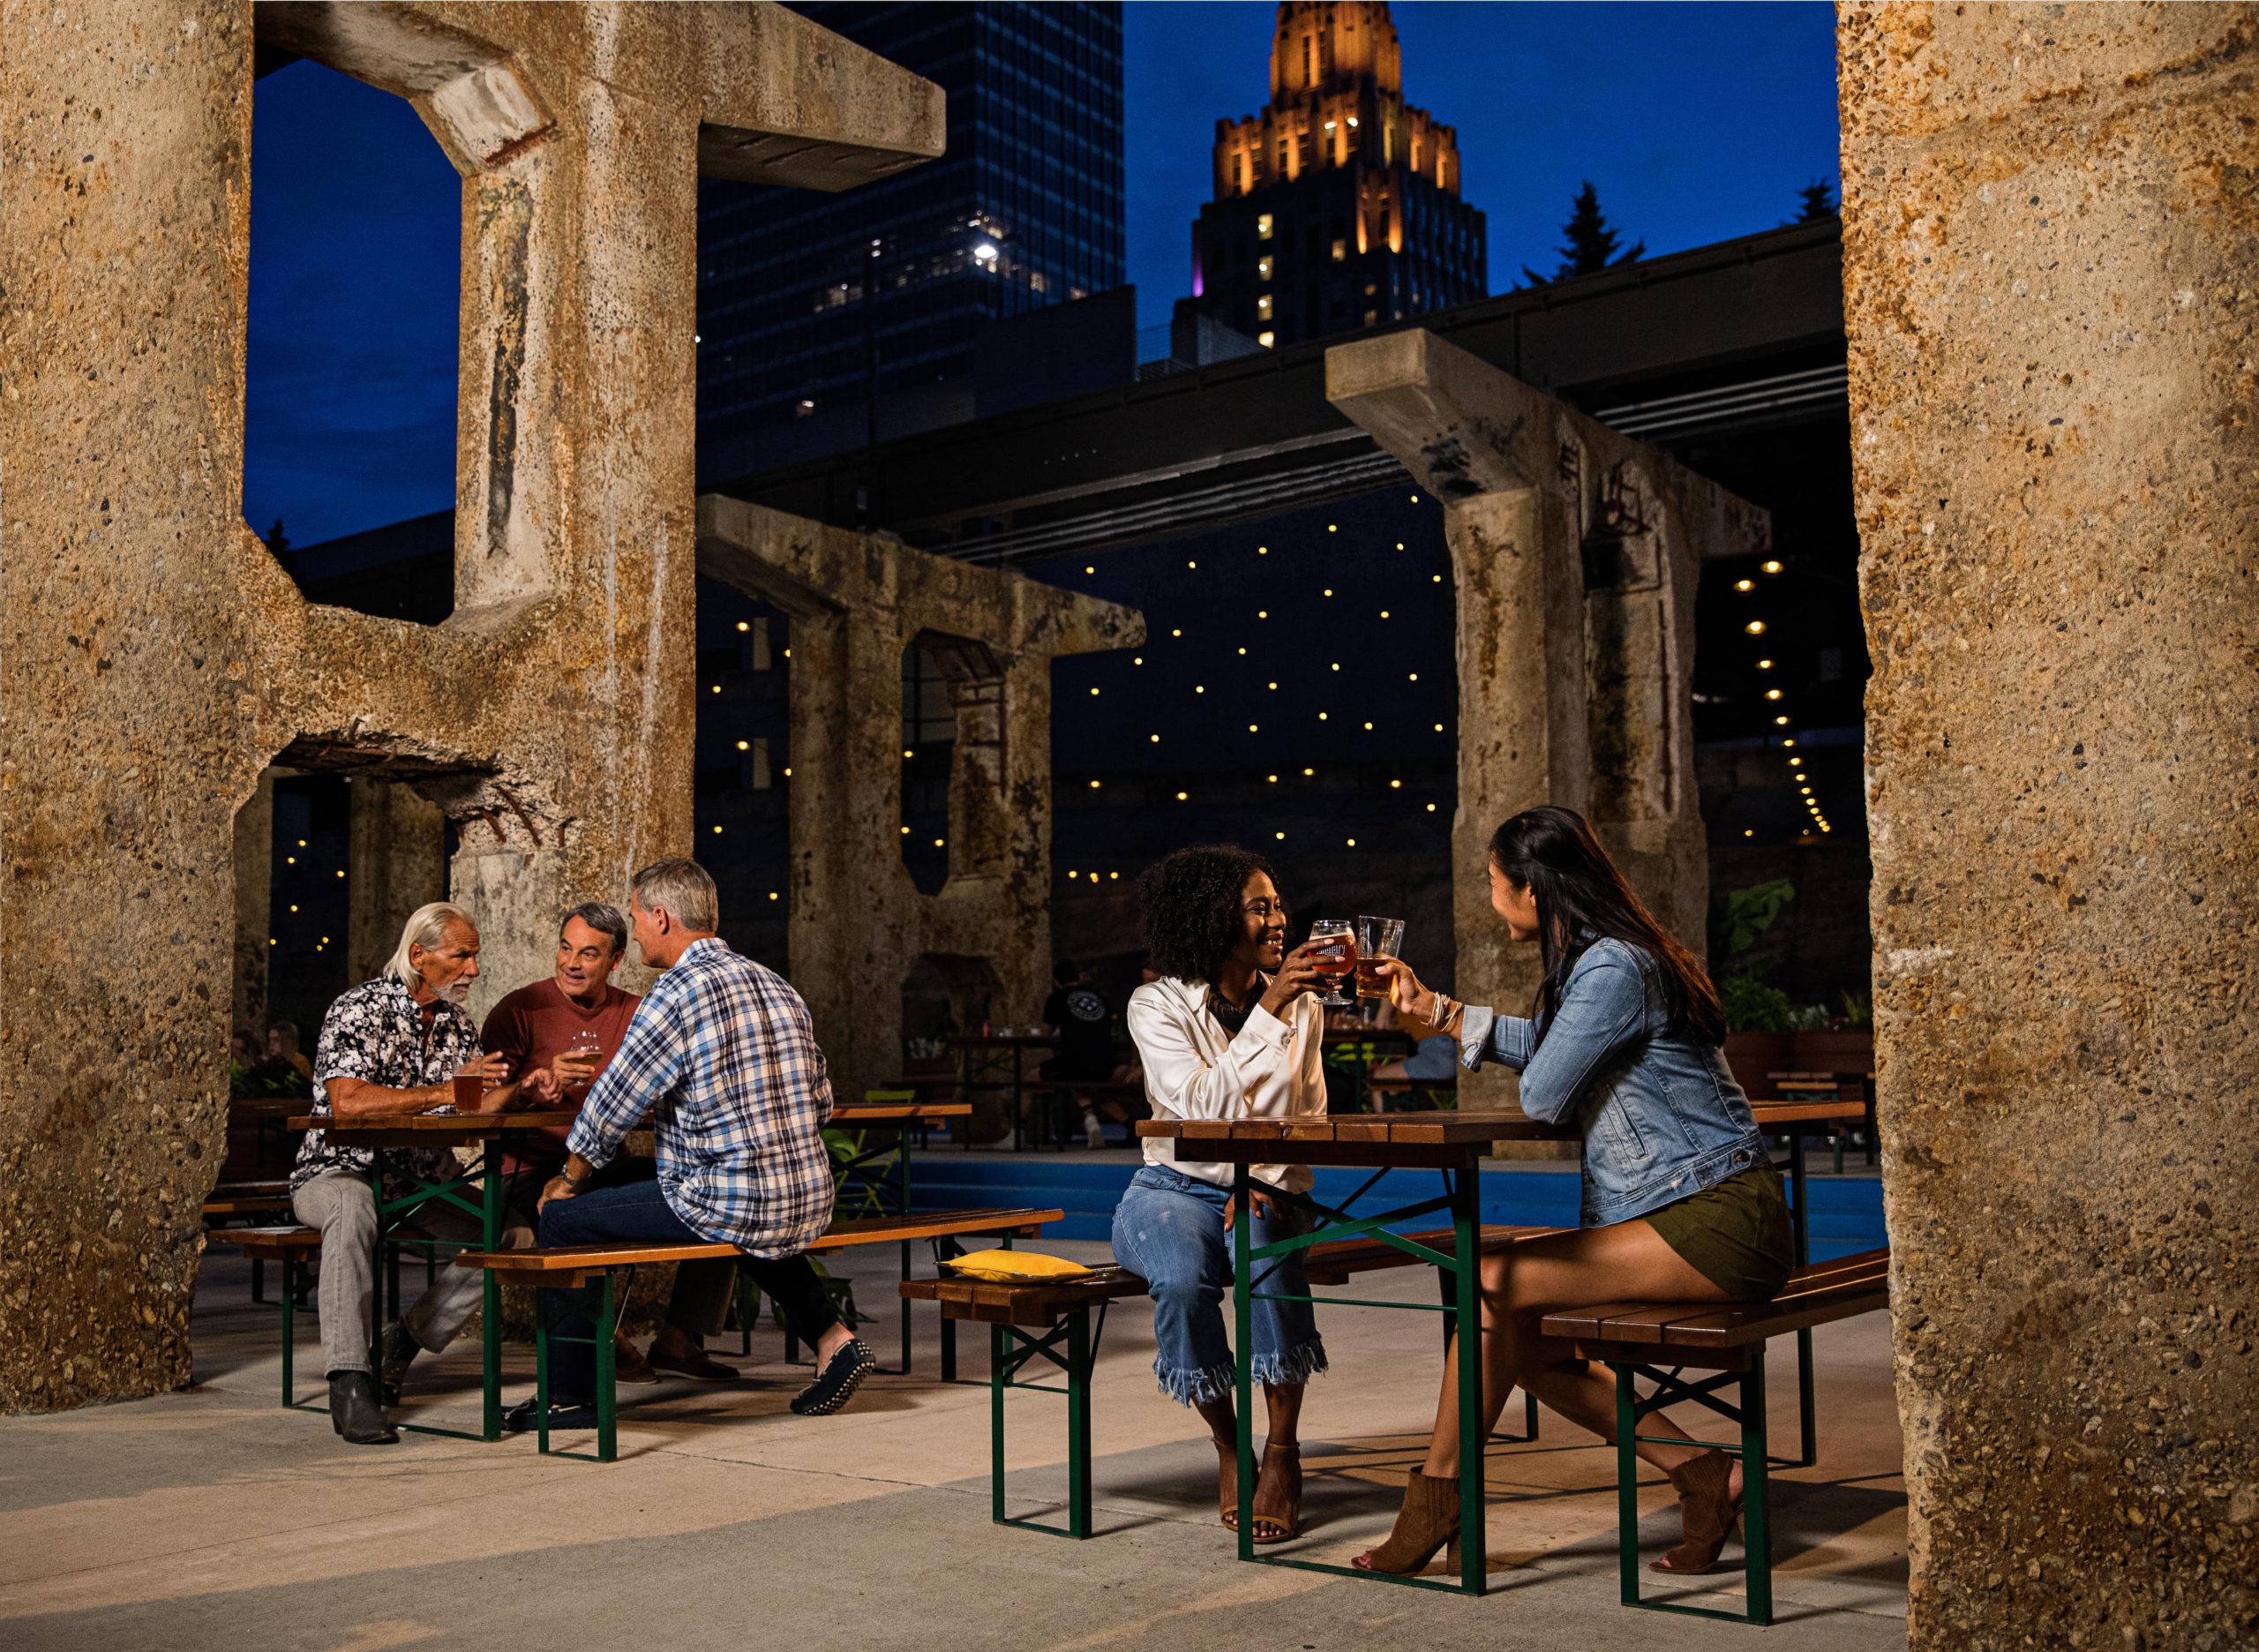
(572,1024)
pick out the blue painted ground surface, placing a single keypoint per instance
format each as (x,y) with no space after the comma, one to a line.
(1846,1210)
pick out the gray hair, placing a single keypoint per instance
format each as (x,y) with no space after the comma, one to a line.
(684,888)
(423,928)
(602,916)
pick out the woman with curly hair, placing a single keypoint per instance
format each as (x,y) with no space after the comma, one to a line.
(1681,1202)
(1228,1030)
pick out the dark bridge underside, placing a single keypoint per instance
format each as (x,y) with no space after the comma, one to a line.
(1742,336)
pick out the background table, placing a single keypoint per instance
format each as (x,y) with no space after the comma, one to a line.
(981,1059)
(486,1131)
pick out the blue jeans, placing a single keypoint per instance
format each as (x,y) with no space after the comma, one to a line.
(1169,1228)
(639,1210)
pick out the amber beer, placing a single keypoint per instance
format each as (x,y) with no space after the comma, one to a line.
(1381,936)
(1338,958)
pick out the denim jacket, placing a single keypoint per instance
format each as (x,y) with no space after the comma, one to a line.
(1662,1117)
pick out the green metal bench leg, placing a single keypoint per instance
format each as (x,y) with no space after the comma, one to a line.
(1756,1498)
(1243,1357)
(490,1301)
(541,1377)
(999,1348)
(607,1393)
(1627,1488)
(1450,1316)
(1078,1422)
(259,1278)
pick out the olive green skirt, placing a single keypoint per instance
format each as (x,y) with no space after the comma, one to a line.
(1736,1235)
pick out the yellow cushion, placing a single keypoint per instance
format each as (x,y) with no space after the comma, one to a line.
(1016,1265)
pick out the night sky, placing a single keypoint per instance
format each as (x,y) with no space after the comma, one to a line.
(1694,122)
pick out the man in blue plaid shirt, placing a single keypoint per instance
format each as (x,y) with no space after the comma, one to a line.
(721,1055)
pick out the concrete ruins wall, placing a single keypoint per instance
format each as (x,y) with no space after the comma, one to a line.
(2051,244)
(857,922)
(1575,553)
(157,659)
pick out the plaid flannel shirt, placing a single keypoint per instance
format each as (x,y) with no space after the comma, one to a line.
(721,1053)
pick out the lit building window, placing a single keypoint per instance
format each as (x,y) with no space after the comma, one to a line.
(1262,308)
(1265,339)
(1262,268)
(1263,226)
(1340,250)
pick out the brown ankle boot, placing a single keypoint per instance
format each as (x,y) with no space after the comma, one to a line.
(1711,1511)
(1428,1521)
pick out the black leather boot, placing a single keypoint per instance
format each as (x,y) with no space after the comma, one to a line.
(396,1350)
(354,1411)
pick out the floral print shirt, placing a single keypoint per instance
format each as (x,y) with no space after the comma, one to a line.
(376,1032)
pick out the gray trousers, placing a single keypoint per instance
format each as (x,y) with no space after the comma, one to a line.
(342,1207)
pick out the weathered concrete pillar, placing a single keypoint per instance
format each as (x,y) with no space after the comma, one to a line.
(254,905)
(2050,246)
(154,659)
(396,860)
(1575,552)
(857,922)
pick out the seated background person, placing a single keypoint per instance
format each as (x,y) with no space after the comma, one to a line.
(536,1027)
(1079,1016)
(389,1049)
(722,1054)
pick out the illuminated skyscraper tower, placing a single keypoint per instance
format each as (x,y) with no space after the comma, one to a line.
(1338,206)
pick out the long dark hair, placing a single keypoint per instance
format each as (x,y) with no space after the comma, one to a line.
(1580,891)
(1191,907)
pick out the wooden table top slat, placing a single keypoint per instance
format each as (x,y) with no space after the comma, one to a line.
(436,1129)
(1833,1289)
(898,1112)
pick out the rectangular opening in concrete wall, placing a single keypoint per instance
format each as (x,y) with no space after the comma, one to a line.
(928,763)
(742,780)
(349,411)
(309,900)
(1296,693)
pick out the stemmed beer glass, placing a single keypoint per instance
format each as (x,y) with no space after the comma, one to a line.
(1337,959)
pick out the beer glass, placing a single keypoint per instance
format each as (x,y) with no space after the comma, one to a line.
(1376,936)
(1337,959)
(585,1043)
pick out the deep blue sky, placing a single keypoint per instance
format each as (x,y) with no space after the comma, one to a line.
(1695,123)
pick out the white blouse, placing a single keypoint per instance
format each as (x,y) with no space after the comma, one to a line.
(1274,1068)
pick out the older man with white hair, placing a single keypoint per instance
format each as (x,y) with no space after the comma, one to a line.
(388,1048)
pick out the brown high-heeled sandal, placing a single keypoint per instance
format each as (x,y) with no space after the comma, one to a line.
(1428,1521)
(1711,1511)
(1277,1528)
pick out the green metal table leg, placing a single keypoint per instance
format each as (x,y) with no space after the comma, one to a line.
(1627,1490)
(1078,1422)
(999,1352)
(1243,1353)
(607,1392)
(1756,1502)
(1473,1560)
(902,1208)
(490,1301)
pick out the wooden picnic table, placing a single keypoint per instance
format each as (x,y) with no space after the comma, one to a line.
(485,1130)
(1454,1143)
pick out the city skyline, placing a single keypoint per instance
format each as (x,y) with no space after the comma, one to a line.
(356,214)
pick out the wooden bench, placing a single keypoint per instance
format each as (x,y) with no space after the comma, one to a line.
(296,1249)
(568,1267)
(1657,1341)
(1060,1310)
(232,1199)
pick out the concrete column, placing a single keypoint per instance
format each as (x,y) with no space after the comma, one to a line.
(395,862)
(1575,553)
(154,659)
(2050,242)
(254,905)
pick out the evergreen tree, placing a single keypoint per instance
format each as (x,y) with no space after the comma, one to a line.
(277,541)
(1590,244)
(1817,201)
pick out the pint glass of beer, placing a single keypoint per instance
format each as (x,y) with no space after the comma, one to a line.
(1384,936)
